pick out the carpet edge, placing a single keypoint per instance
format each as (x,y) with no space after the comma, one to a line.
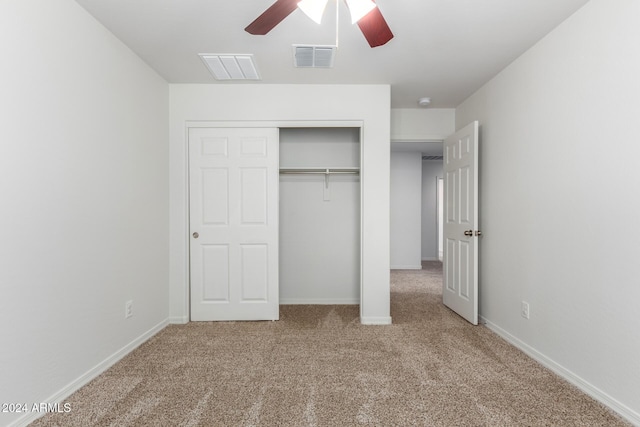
(91,374)
(586,387)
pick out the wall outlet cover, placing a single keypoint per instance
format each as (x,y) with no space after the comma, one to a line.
(525,309)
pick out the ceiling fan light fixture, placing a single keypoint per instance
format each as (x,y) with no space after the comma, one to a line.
(314,9)
(359,9)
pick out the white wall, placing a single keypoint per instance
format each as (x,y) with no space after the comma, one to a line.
(319,229)
(559,203)
(406,197)
(84,185)
(422,124)
(368,104)
(431,171)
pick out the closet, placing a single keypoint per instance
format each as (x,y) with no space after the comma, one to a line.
(319,219)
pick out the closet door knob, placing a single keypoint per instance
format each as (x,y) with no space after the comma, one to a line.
(196,235)
(468,233)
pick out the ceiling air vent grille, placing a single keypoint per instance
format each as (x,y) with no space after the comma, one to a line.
(231,66)
(432,157)
(310,56)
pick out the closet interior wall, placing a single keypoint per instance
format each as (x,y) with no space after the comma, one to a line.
(319,217)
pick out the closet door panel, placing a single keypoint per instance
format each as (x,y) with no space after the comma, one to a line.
(254,270)
(233,190)
(215,273)
(254,196)
(215,196)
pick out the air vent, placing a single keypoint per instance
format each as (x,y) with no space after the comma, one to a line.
(310,56)
(432,157)
(230,66)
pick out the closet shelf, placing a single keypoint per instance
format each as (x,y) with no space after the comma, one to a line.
(324,171)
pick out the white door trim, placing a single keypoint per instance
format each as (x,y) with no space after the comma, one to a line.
(186,317)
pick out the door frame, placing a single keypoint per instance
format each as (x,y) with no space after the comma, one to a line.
(440,217)
(262,124)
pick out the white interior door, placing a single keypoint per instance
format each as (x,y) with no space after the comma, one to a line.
(233,190)
(460,285)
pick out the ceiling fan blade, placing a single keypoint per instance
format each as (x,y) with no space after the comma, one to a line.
(272,17)
(375,28)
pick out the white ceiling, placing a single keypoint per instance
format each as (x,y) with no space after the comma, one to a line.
(444,49)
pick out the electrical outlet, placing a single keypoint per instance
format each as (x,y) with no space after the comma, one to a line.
(524,310)
(128,309)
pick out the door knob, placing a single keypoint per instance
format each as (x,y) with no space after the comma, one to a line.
(196,235)
(468,233)
(478,233)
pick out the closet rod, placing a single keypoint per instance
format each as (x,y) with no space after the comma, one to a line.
(319,171)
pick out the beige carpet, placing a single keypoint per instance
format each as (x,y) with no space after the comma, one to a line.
(318,366)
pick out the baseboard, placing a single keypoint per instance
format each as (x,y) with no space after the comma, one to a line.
(431,259)
(91,374)
(588,388)
(406,267)
(370,320)
(178,320)
(319,301)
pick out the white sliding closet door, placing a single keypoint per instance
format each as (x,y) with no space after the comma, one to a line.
(233,190)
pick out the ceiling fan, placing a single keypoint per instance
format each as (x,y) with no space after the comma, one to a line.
(364,12)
